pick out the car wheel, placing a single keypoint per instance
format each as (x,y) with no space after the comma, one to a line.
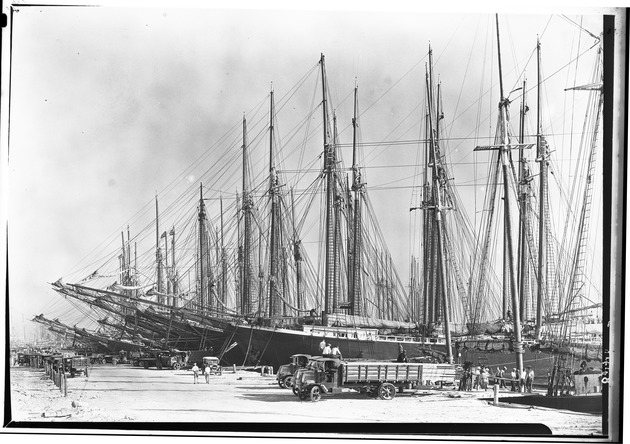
(288,381)
(316,393)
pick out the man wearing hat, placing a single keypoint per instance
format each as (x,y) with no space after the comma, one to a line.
(514,379)
(529,379)
(195,371)
(522,379)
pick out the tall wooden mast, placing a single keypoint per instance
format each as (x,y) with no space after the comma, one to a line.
(427,223)
(274,299)
(223,293)
(503,154)
(541,157)
(437,172)
(174,276)
(523,181)
(203,286)
(247,229)
(357,187)
(297,257)
(158,252)
(329,171)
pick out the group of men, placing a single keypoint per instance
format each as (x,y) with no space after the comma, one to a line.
(522,382)
(196,371)
(478,377)
(327,350)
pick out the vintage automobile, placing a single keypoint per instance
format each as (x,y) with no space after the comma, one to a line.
(375,378)
(286,371)
(174,361)
(76,365)
(101,358)
(213,363)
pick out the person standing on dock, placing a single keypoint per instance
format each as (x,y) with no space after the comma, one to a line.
(523,378)
(502,372)
(514,378)
(207,373)
(485,375)
(195,371)
(322,346)
(475,376)
(529,379)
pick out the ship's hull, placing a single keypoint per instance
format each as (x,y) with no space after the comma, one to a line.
(268,346)
(274,347)
(499,353)
(541,363)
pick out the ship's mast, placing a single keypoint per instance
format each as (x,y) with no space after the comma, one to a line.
(357,188)
(223,258)
(523,181)
(158,251)
(274,300)
(329,171)
(427,225)
(166,269)
(438,210)
(297,257)
(202,244)
(337,242)
(503,154)
(247,242)
(541,156)
(174,277)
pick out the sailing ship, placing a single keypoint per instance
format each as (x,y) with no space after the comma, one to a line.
(256,296)
(342,316)
(545,301)
(449,310)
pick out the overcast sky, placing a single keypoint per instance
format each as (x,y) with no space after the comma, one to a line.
(109,105)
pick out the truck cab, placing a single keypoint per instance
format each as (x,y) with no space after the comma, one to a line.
(287,371)
(321,375)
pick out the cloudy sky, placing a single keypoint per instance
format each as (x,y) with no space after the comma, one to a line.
(110,106)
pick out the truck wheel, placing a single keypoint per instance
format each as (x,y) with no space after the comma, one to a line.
(176,366)
(103,361)
(296,392)
(316,393)
(136,363)
(288,381)
(281,383)
(386,391)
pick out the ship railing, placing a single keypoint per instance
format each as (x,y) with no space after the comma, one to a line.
(414,339)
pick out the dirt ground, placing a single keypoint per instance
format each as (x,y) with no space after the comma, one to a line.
(123,393)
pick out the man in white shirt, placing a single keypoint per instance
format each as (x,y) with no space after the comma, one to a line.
(195,371)
(529,379)
(322,345)
(522,380)
(327,350)
(336,352)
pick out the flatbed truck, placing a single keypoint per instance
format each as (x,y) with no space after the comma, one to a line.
(376,378)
